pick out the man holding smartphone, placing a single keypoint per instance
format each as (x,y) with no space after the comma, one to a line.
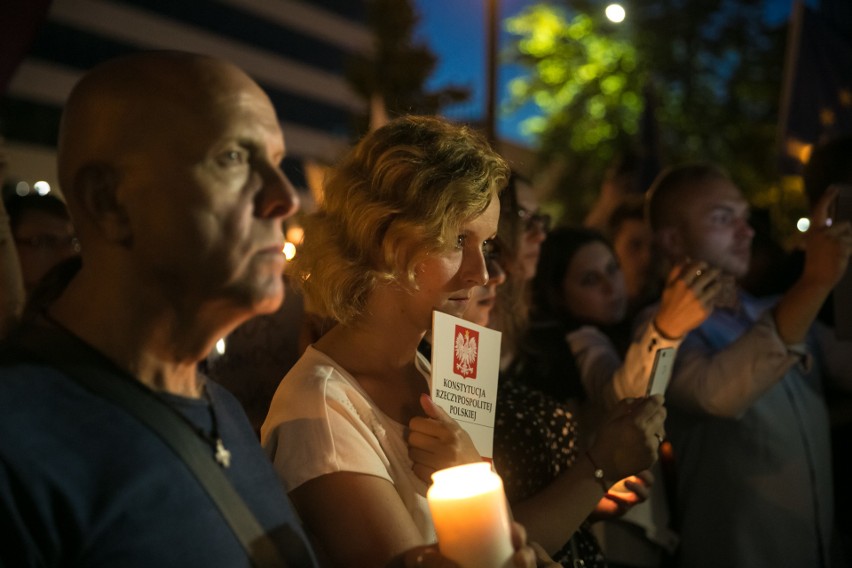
(747,417)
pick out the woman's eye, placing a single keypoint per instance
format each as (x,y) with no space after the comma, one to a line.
(722,218)
(489,249)
(460,240)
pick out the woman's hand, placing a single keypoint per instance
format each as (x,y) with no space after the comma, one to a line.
(623,496)
(527,554)
(437,441)
(687,299)
(827,246)
(627,441)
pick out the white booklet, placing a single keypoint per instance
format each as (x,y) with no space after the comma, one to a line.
(465,371)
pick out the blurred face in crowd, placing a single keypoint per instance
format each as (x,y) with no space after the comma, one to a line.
(714,227)
(43,241)
(632,245)
(484,297)
(535,226)
(593,289)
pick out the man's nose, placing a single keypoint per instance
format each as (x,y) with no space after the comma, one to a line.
(745,229)
(278,198)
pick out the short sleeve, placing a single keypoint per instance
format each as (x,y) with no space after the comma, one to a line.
(318,423)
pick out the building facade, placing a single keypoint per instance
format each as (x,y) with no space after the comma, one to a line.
(296,50)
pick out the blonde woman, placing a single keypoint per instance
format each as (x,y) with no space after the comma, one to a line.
(351,429)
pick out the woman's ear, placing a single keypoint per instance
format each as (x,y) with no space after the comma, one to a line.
(96,189)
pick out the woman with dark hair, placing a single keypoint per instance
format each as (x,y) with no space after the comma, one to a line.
(538,447)
(522,230)
(551,480)
(578,297)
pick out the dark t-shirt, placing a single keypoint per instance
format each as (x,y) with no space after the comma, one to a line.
(83,483)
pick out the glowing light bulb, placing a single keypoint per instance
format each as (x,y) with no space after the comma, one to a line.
(295,234)
(289,250)
(41,187)
(615,13)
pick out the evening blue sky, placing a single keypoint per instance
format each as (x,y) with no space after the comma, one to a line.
(455,31)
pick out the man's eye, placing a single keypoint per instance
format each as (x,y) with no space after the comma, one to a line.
(232,157)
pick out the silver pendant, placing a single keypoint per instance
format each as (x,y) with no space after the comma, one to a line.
(223,456)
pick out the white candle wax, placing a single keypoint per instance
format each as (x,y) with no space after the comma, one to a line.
(471,517)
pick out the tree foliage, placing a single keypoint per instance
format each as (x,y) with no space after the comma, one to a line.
(704,76)
(398,68)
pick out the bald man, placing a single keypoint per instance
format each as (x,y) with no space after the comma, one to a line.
(170,165)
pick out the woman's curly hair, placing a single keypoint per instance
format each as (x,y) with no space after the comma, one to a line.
(399,195)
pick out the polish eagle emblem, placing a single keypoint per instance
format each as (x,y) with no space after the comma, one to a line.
(466,352)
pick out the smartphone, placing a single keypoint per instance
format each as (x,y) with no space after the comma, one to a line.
(661,372)
(841,210)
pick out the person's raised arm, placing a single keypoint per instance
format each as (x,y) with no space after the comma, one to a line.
(687,300)
(626,444)
(725,382)
(827,250)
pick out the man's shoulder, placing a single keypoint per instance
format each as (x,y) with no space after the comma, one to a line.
(24,378)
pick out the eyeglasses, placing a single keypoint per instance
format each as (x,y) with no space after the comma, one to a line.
(534,220)
(51,243)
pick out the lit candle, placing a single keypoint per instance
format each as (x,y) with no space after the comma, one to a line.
(471,517)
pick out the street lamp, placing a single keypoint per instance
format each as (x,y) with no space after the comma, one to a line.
(492,33)
(615,13)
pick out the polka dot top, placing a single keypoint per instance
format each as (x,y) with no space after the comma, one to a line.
(535,440)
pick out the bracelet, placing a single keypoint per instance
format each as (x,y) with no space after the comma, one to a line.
(598,473)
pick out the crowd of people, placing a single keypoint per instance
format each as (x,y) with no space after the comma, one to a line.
(116,449)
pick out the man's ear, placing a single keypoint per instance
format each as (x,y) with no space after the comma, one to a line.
(97,192)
